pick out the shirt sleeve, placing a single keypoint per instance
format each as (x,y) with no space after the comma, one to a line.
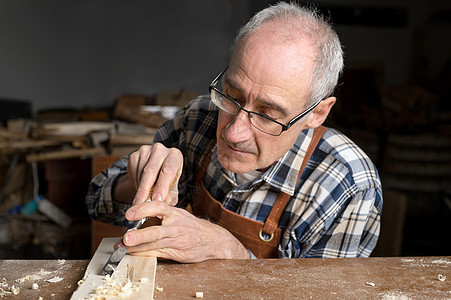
(351,231)
(99,200)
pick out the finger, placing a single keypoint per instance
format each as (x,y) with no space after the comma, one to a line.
(168,253)
(160,253)
(148,209)
(168,176)
(148,171)
(142,239)
(137,161)
(173,197)
(131,168)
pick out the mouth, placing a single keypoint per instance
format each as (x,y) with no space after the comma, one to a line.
(237,148)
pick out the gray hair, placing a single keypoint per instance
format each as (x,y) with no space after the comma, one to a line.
(299,21)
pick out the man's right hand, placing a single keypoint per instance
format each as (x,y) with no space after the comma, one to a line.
(152,166)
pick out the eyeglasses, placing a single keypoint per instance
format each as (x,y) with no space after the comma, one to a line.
(259,121)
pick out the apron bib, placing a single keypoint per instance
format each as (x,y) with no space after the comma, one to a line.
(261,238)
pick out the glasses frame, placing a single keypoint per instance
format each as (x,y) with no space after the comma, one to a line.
(285,127)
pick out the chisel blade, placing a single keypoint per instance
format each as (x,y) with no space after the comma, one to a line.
(114,260)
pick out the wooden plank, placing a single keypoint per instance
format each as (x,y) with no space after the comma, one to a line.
(134,268)
(131,139)
(28,144)
(72,128)
(5,133)
(63,154)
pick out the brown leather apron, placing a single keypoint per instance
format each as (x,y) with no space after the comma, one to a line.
(260,238)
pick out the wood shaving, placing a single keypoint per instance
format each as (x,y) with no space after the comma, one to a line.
(14,289)
(80,282)
(370,283)
(4,293)
(159,289)
(9,289)
(200,295)
(55,279)
(114,287)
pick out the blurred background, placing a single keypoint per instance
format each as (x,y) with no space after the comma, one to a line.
(81,79)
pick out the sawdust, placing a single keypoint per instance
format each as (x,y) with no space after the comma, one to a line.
(32,278)
(36,276)
(395,296)
(441,261)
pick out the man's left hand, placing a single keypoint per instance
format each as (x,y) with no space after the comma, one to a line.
(181,237)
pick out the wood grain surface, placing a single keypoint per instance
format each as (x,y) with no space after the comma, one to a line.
(314,278)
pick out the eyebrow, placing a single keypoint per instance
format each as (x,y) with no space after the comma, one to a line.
(266,102)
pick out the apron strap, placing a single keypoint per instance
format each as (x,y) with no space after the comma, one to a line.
(281,202)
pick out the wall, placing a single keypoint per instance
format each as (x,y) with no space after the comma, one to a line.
(78,53)
(84,53)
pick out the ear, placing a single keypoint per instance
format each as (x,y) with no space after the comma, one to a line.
(320,113)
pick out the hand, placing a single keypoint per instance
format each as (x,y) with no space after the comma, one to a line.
(158,167)
(181,237)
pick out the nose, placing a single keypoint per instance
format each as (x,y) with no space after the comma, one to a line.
(240,128)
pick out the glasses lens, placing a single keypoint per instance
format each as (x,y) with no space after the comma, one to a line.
(229,106)
(223,102)
(265,125)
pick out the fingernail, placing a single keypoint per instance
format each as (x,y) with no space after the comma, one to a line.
(156,197)
(130,214)
(129,239)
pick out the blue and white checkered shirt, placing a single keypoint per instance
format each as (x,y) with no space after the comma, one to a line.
(334,210)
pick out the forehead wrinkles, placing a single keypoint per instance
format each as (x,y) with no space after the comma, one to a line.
(269,95)
(291,56)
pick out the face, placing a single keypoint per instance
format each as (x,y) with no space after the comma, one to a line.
(267,77)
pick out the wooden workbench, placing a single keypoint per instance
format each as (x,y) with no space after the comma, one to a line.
(362,278)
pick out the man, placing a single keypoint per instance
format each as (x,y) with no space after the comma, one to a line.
(252,161)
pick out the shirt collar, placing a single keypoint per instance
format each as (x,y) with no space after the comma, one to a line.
(284,173)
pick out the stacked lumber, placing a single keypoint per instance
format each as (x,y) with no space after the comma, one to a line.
(67,134)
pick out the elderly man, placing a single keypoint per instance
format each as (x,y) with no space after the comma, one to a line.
(253,162)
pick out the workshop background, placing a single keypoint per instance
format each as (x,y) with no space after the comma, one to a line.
(82,79)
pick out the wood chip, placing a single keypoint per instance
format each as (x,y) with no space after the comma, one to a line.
(200,295)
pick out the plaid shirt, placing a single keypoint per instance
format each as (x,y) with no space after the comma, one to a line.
(334,210)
